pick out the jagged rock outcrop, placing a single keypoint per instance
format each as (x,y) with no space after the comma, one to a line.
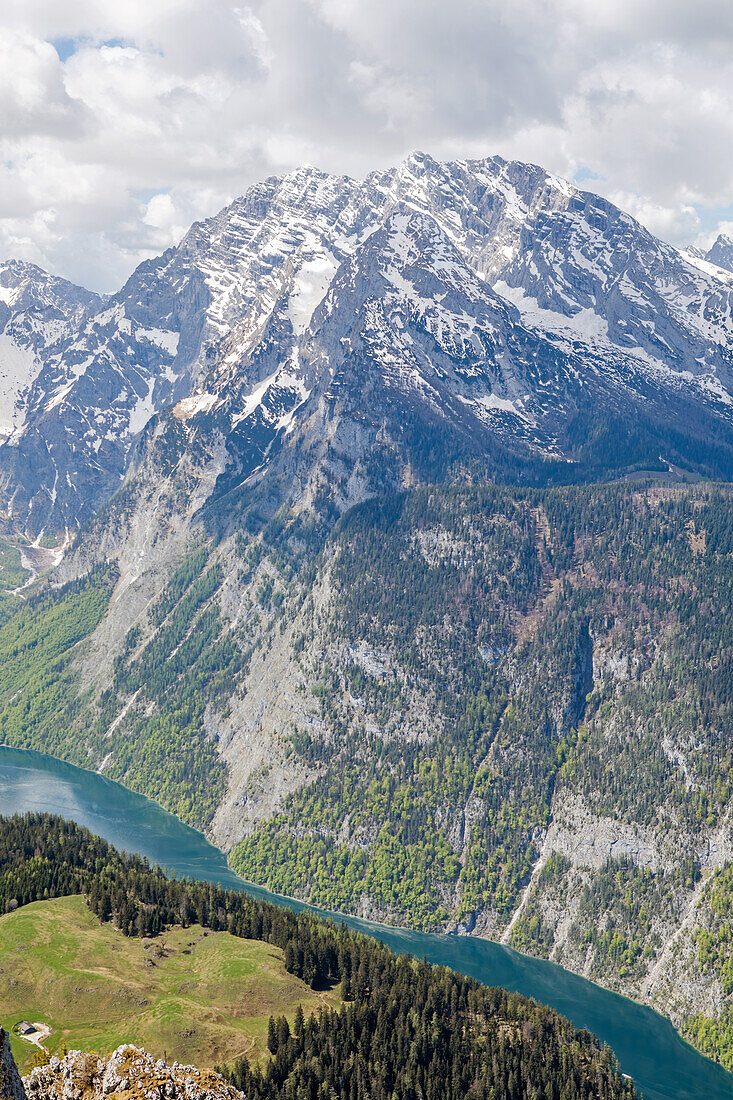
(11,1085)
(126,1073)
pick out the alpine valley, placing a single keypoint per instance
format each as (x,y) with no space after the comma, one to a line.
(383,530)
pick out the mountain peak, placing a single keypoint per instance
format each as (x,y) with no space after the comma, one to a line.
(721,252)
(420,160)
(20,269)
(16,274)
(461,257)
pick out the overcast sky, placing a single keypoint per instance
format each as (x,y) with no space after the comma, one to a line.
(122,121)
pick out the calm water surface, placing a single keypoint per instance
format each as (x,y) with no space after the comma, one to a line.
(647,1046)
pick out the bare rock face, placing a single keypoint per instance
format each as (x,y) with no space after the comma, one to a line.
(126,1073)
(11,1085)
(484,301)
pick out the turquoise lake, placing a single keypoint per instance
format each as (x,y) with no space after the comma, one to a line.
(648,1047)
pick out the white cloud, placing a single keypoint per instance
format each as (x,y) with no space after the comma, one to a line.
(33,98)
(189,101)
(679,223)
(160,212)
(705,240)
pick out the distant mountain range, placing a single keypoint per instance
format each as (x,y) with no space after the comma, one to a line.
(720,254)
(525,327)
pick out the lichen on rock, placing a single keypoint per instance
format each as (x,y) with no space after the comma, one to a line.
(129,1072)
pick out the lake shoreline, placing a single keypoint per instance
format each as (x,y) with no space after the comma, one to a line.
(649,1048)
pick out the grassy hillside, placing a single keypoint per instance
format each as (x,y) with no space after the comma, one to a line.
(201,996)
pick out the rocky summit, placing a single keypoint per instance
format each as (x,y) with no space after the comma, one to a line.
(319,320)
(128,1073)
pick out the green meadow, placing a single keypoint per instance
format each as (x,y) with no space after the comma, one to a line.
(191,994)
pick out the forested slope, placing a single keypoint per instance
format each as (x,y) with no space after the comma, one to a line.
(491,670)
(407,1028)
(493,656)
(429,709)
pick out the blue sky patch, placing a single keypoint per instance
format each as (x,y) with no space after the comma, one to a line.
(65,47)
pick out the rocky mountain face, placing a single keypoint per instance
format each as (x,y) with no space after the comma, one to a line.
(38,314)
(485,301)
(721,253)
(11,1085)
(300,613)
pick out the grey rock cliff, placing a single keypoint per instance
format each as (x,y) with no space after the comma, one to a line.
(11,1085)
(722,253)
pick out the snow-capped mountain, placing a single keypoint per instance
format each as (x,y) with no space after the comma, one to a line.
(434,313)
(721,253)
(38,313)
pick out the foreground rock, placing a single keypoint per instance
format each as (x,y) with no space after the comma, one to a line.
(11,1086)
(127,1072)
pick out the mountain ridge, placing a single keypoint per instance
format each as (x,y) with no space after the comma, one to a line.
(203,326)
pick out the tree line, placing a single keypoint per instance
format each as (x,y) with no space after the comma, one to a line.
(406,1031)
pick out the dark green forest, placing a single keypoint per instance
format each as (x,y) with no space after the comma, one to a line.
(406,1030)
